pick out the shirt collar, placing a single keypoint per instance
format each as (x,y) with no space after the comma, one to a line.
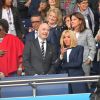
(40,40)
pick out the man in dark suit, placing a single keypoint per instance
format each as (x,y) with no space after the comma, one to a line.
(38,58)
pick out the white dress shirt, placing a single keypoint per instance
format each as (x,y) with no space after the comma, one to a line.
(68,53)
(36,34)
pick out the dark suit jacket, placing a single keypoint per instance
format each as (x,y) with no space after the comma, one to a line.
(74,68)
(32,58)
(30,36)
(33,8)
(17,22)
(54,37)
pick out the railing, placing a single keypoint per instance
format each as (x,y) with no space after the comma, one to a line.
(44,81)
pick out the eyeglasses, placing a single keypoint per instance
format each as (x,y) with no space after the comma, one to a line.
(35,22)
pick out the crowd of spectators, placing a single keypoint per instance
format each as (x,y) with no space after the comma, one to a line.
(39,37)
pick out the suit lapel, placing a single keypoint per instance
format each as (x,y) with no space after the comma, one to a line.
(36,44)
(47,50)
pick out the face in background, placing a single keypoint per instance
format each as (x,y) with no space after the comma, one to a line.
(8,3)
(2,31)
(67,39)
(43,31)
(36,21)
(52,18)
(52,2)
(43,5)
(83,5)
(68,22)
(75,22)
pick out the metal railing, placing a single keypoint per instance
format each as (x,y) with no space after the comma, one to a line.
(47,81)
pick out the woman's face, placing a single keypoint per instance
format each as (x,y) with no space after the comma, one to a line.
(43,5)
(2,32)
(75,22)
(52,18)
(52,2)
(67,40)
(68,22)
(8,2)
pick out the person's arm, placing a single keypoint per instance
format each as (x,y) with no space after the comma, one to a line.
(92,47)
(27,56)
(27,4)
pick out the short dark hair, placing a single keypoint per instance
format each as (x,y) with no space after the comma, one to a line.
(4,24)
(37,14)
(79,1)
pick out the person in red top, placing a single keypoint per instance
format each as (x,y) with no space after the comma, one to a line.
(11,50)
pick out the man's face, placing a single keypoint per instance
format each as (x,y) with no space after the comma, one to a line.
(36,21)
(83,5)
(43,31)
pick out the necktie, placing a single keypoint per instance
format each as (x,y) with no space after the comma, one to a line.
(89,20)
(42,50)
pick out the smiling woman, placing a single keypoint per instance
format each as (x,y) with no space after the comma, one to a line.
(10,62)
(70,60)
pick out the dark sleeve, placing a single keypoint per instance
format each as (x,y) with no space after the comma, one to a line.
(77,63)
(18,23)
(29,37)
(27,56)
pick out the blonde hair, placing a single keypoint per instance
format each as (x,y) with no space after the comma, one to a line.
(72,37)
(58,14)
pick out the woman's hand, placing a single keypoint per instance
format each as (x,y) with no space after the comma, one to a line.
(2,52)
(63,50)
(2,75)
(88,61)
(98,37)
(19,71)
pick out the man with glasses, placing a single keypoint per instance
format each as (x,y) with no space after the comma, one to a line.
(36,20)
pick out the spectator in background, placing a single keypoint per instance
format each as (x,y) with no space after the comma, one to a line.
(85,38)
(54,4)
(70,61)
(11,50)
(39,55)
(10,13)
(36,20)
(67,21)
(70,6)
(22,8)
(43,8)
(33,6)
(54,20)
(85,10)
